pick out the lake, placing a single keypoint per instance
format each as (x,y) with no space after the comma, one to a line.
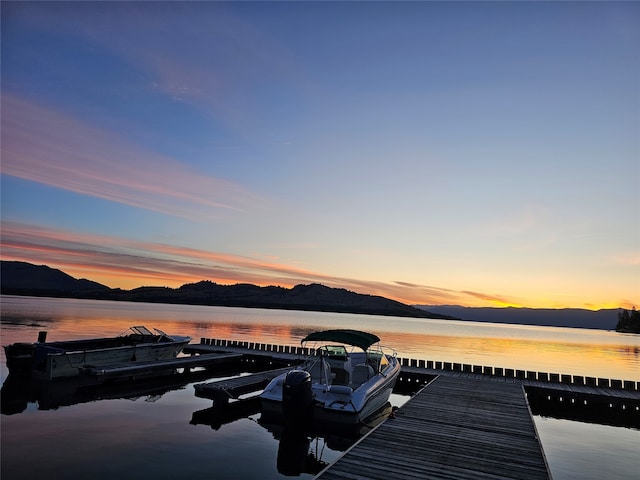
(159,433)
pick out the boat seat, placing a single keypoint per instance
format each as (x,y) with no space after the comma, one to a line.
(361,373)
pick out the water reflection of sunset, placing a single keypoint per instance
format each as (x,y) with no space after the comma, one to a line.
(546,349)
(545,356)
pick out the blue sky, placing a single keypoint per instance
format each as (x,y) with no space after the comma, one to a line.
(481,153)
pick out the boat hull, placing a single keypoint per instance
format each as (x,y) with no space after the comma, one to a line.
(329,417)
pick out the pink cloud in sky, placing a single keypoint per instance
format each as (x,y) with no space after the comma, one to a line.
(127,264)
(44,146)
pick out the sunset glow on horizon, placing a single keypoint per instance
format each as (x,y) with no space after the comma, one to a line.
(127,265)
(475,154)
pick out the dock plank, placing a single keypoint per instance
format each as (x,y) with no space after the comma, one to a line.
(454,428)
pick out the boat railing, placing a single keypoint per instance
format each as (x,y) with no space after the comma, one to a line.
(320,370)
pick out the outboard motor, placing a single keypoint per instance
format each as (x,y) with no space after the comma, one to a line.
(297,398)
(20,357)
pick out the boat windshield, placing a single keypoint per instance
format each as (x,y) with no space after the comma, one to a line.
(377,359)
(332,351)
(138,330)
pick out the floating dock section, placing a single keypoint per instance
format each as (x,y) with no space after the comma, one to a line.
(453,428)
(221,391)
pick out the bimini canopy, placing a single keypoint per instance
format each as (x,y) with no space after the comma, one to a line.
(351,337)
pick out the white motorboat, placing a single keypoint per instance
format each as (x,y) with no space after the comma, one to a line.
(347,377)
(49,360)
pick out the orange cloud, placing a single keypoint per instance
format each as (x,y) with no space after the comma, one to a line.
(494,299)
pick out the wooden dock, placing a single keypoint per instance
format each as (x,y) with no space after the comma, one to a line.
(221,391)
(452,429)
(630,397)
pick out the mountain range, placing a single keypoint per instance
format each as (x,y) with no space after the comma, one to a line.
(21,278)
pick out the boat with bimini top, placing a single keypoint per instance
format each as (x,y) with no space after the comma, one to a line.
(347,377)
(49,360)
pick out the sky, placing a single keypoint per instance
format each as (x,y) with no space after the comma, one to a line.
(469,153)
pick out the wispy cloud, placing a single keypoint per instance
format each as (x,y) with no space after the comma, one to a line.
(139,260)
(523,221)
(495,300)
(45,146)
(202,54)
(126,263)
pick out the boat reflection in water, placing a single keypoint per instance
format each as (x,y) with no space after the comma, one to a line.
(18,391)
(301,448)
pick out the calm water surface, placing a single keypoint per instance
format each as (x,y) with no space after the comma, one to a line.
(152,434)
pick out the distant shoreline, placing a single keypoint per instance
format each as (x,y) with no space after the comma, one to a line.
(604,319)
(600,320)
(301,308)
